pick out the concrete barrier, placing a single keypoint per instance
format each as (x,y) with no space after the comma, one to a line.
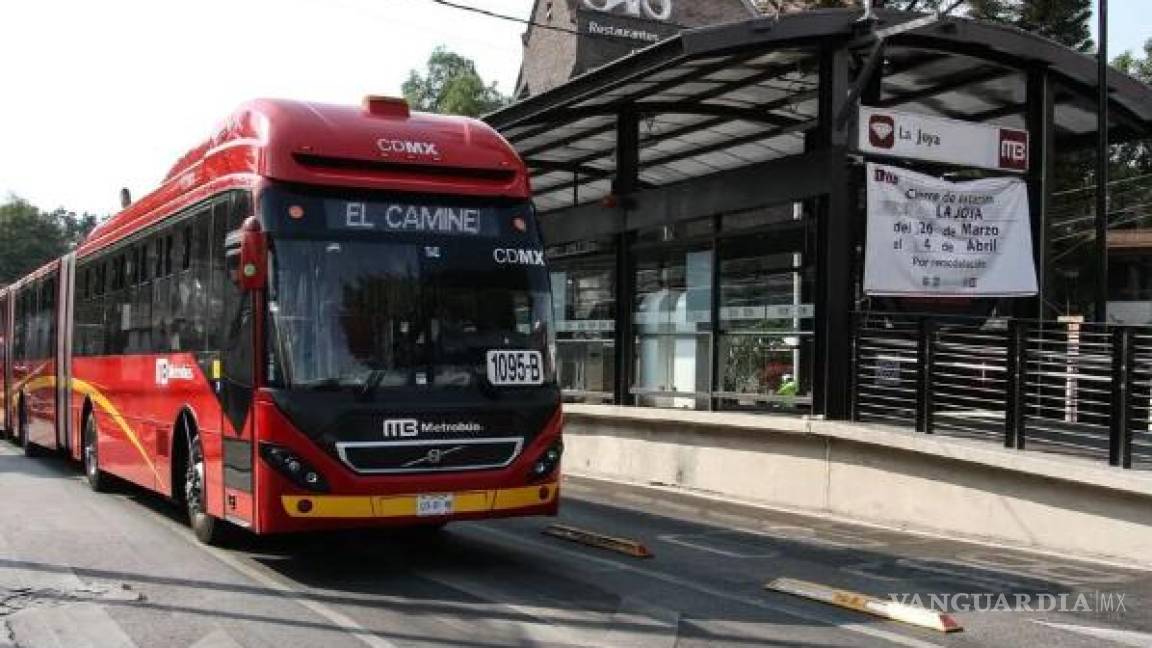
(877,475)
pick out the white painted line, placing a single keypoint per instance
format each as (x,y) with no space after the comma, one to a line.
(522,540)
(217,639)
(279,585)
(1122,637)
(697,542)
(285,589)
(892,610)
(636,623)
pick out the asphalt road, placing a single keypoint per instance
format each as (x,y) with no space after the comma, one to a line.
(120,570)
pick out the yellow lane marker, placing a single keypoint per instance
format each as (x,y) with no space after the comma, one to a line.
(625,546)
(892,610)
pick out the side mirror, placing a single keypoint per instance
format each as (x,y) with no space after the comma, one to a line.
(250,244)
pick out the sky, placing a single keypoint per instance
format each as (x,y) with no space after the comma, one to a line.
(95,96)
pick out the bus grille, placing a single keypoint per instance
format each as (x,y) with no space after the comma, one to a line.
(431,455)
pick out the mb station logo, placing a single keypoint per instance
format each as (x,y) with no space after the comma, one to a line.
(1013,149)
(650,9)
(882,131)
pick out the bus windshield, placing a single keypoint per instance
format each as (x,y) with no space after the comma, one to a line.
(383,310)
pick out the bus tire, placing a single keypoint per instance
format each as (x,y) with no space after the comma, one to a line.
(207,529)
(97,479)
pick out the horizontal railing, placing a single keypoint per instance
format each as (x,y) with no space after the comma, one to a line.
(1059,386)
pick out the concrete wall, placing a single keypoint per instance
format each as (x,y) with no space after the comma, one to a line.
(878,475)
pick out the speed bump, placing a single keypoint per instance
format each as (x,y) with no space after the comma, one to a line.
(892,610)
(599,540)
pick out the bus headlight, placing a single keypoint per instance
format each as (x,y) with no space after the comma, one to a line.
(548,461)
(298,471)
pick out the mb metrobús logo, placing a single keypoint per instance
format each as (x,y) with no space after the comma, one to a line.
(1013,149)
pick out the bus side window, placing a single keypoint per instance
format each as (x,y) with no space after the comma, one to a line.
(216,276)
(142,305)
(161,287)
(192,314)
(50,317)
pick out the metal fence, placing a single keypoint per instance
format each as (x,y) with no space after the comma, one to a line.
(1068,387)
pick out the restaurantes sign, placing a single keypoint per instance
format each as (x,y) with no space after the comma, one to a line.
(908,135)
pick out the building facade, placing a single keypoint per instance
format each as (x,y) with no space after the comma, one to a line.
(566,38)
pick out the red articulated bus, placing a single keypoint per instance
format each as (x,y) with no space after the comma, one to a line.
(325,317)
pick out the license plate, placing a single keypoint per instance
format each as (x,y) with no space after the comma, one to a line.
(434,505)
(515,368)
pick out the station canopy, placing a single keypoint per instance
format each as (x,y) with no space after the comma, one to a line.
(724,97)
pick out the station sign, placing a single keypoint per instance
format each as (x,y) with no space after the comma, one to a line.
(921,137)
(647,9)
(931,237)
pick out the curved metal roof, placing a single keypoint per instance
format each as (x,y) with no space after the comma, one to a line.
(722,97)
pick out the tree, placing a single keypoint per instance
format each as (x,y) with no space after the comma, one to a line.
(1134,158)
(452,86)
(1064,21)
(30,237)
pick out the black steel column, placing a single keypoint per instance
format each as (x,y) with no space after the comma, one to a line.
(1015,373)
(835,215)
(1041,162)
(1102,167)
(714,380)
(1119,429)
(623,185)
(925,375)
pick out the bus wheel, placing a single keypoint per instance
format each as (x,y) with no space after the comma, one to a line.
(208,529)
(97,480)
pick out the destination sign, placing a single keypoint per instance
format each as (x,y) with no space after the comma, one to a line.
(453,220)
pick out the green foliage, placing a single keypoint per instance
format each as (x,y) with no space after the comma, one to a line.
(1064,21)
(1135,157)
(30,237)
(451,86)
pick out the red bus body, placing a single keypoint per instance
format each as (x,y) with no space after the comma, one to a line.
(131,329)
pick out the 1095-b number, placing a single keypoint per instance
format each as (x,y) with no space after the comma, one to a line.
(515,368)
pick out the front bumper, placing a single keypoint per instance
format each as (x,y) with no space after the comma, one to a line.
(471,504)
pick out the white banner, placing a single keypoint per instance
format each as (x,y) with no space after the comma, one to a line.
(929,237)
(921,137)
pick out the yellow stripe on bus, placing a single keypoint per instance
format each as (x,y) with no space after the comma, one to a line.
(101,401)
(384,506)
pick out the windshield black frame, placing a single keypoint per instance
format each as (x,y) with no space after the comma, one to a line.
(356,310)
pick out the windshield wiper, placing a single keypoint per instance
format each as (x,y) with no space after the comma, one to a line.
(371,383)
(324,384)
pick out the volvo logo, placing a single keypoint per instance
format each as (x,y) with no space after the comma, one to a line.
(650,9)
(434,457)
